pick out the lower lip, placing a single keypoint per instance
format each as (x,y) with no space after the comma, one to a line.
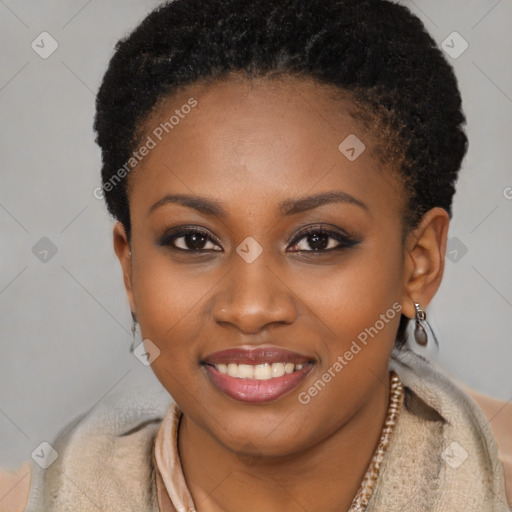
(254,390)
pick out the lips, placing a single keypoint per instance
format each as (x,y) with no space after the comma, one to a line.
(256,375)
(258,355)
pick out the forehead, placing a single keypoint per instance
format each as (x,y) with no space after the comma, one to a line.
(258,139)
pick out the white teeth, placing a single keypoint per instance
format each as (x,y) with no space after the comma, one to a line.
(233,370)
(246,371)
(277,369)
(264,371)
(289,367)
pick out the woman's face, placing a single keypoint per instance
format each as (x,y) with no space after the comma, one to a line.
(251,167)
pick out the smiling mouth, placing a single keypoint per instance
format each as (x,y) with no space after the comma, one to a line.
(264,371)
(256,375)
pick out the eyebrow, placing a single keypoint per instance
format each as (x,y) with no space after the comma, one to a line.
(287,207)
(301,204)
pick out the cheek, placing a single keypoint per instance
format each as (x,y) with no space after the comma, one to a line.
(352,296)
(168,300)
(167,305)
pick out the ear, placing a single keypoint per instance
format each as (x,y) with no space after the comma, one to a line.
(124,254)
(425,249)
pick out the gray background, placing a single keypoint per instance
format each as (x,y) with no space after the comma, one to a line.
(65,323)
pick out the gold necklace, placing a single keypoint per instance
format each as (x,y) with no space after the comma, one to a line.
(396,395)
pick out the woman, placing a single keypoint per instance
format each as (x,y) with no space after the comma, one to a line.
(282,175)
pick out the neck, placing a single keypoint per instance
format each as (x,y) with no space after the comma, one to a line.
(324,477)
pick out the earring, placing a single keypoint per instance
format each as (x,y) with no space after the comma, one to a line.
(420,334)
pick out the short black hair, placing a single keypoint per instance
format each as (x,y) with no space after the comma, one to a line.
(377,51)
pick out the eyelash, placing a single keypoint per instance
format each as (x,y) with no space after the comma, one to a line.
(345,240)
(169,238)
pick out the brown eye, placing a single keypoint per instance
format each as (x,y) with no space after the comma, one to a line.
(318,239)
(192,241)
(189,240)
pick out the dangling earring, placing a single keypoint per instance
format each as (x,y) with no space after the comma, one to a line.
(420,334)
(134,331)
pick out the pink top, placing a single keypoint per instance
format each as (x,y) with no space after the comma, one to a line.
(173,493)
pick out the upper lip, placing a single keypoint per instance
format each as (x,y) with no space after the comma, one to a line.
(257,355)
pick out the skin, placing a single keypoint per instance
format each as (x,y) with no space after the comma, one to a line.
(249,146)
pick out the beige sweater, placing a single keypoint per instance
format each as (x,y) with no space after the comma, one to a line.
(442,456)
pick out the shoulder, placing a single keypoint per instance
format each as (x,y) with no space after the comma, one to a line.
(460,426)
(104,457)
(499,415)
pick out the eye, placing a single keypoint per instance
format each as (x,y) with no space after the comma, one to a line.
(319,239)
(190,239)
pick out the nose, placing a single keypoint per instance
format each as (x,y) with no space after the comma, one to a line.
(252,296)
